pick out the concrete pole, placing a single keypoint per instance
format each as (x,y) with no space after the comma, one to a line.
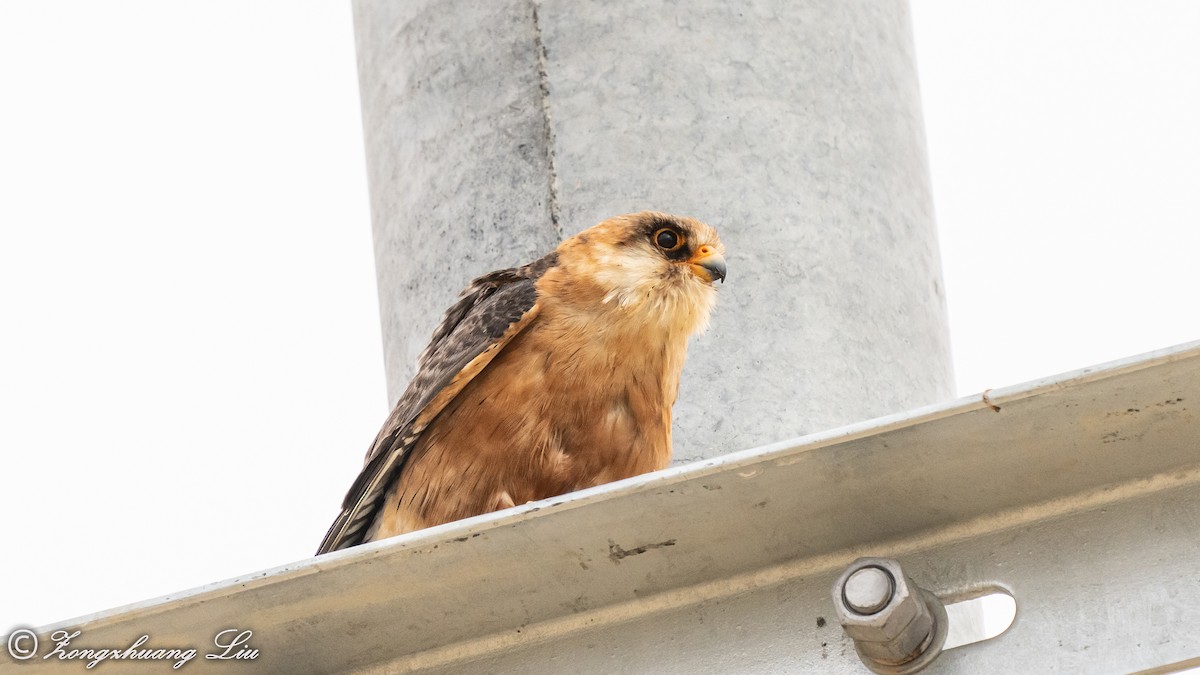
(494,129)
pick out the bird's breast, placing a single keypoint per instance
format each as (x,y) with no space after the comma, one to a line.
(602,402)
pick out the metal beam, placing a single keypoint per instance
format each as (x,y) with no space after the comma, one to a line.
(1078,494)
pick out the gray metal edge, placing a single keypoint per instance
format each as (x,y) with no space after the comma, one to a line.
(775,454)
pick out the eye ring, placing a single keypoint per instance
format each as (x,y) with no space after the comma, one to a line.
(668,239)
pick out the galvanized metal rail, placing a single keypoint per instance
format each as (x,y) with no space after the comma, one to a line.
(1078,494)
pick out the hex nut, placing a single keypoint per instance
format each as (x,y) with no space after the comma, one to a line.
(898,632)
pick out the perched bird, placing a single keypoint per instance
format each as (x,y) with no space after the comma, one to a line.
(543,379)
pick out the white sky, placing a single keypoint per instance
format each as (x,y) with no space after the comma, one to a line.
(190,359)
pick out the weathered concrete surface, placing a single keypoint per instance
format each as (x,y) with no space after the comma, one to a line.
(456,156)
(794,128)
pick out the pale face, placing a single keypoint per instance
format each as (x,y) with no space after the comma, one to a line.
(656,267)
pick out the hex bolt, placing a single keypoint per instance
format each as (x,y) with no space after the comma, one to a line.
(868,590)
(897,627)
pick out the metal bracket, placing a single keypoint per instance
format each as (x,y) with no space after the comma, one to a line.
(1080,498)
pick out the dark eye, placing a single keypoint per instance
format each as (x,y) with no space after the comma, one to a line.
(668,240)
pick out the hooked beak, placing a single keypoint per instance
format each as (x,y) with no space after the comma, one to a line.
(708,264)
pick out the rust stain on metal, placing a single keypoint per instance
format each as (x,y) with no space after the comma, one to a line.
(987,400)
(616,553)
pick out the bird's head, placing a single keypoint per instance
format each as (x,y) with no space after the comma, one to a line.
(652,266)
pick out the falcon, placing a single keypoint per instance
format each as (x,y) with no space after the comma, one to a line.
(542,379)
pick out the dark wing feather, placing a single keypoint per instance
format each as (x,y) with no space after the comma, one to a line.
(490,311)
